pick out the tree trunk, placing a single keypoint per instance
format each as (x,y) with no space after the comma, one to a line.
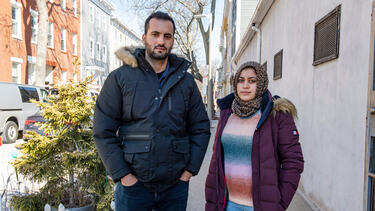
(71,181)
(41,52)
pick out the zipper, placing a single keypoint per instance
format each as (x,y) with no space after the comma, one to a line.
(137,136)
(225,193)
(169,103)
(225,183)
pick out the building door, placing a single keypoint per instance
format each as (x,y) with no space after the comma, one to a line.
(370,145)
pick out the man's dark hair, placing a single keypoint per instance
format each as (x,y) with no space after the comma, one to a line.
(161,16)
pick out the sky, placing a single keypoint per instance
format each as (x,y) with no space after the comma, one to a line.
(132,21)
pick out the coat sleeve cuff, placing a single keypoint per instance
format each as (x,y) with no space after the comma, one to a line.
(120,174)
(192,170)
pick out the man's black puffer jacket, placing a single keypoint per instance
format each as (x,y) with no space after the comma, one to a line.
(150,131)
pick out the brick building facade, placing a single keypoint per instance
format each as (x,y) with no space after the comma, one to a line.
(18,40)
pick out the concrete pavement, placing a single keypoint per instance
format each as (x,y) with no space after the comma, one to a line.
(196,199)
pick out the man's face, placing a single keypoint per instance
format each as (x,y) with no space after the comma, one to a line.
(159,39)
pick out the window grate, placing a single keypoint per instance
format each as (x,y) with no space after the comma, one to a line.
(278,65)
(327,37)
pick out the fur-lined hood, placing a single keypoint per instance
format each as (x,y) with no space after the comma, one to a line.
(134,56)
(284,105)
(126,54)
(278,104)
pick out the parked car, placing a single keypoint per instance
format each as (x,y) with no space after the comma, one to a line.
(15,107)
(31,124)
(31,121)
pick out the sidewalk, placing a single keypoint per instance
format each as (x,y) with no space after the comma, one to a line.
(299,204)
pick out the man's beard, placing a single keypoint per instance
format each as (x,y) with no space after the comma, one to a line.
(157,56)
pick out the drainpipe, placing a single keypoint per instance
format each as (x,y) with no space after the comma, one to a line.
(259,33)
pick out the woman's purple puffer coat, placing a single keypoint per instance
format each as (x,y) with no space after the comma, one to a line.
(276,158)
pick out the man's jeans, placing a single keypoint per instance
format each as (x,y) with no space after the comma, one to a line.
(138,198)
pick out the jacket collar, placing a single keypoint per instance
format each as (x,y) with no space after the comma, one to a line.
(135,57)
(266,105)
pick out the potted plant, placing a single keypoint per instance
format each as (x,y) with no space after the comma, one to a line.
(65,162)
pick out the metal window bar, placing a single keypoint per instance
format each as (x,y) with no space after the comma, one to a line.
(327,37)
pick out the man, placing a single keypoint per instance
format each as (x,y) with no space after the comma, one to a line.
(150,126)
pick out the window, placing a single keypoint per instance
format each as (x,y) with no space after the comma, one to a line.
(31,71)
(97,18)
(16,69)
(49,74)
(278,65)
(327,37)
(50,35)
(34,26)
(104,22)
(75,44)
(92,48)
(75,78)
(16,72)
(16,19)
(63,39)
(97,51)
(44,95)
(104,54)
(63,4)
(63,77)
(28,93)
(74,3)
(91,14)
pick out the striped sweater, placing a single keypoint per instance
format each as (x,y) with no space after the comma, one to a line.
(237,141)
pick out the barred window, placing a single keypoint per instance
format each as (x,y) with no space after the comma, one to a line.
(327,37)
(278,65)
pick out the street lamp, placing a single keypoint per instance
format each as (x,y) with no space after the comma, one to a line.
(209,84)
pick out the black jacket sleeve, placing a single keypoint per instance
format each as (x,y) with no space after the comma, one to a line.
(198,126)
(106,122)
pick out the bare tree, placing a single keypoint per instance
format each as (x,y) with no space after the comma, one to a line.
(41,52)
(187,27)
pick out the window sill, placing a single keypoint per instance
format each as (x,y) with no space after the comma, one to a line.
(16,37)
(50,47)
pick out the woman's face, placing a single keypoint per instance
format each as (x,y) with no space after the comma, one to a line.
(247,84)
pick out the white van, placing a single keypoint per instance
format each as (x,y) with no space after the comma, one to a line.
(15,107)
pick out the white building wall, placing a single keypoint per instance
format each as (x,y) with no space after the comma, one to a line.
(247,10)
(331,98)
(250,54)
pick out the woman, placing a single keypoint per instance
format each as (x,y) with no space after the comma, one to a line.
(257,158)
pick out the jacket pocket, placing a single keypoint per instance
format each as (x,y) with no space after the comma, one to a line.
(128,100)
(181,149)
(136,154)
